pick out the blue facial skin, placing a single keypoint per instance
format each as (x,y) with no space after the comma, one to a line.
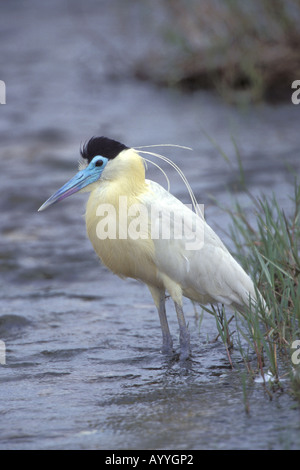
(89,175)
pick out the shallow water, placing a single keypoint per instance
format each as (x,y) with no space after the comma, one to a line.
(83,365)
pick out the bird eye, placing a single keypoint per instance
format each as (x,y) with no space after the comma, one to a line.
(99,163)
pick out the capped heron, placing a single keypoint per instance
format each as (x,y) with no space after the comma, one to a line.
(204,272)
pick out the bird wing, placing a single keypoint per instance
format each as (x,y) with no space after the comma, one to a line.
(190,253)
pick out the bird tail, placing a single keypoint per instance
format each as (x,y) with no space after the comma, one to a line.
(254,301)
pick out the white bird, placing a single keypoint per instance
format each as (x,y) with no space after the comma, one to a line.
(139,230)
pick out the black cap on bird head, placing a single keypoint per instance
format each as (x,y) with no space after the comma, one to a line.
(97,150)
(103,146)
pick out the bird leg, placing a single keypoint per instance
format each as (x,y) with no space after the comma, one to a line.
(184,335)
(167,346)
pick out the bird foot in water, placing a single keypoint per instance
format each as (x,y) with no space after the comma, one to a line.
(167,347)
(185,348)
(185,354)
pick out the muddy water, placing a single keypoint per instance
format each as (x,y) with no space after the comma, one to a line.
(83,365)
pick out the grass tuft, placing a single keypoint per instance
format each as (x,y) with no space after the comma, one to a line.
(267,246)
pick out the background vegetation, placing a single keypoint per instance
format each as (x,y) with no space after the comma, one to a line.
(248,51)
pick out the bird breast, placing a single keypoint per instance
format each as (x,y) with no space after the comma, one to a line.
(120,235)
